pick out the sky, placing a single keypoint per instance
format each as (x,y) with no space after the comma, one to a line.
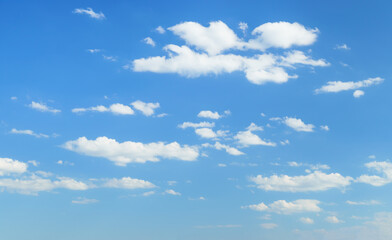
(195,120)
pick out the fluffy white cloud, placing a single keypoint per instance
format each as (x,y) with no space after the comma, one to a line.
(128,183)
(209,114)
(338,86)
(358,93)
(324,127)
(365,203)
(248,138)
(116,108)
(282,35)
(147,109)
(196,125)
(206,133)
(172,192)
(381,167)
(342,47)
(149,41)
(333,219)
(131,152)
(34,184)
(298,57)
(228,149)
(298,125)
(316,181)
(8,165)
(42,107)
(284,207)
(213,39)
(306,220)
(28,132)
(243,26)
(90,12)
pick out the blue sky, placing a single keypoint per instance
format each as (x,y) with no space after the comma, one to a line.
(195,120)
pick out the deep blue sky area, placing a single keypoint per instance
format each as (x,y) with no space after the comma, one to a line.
(189,120)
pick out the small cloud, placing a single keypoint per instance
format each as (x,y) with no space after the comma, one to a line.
(109,58)
(269,225)
(306,220)
(93,50)
(222,165)
(81,200)
(358,93)
(90,12)
(42,107)
(324,127)
(342,47)
(146,194)
(333,219)
(243,26)
(14,98)
(28,132)
(33,162)
(149,41)
(372,156)
(172,192)
(160,30)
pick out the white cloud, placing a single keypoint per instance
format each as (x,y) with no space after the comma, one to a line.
(160,30)
(131,152)
(254,127)
(8,166)
(14,98)
(82,200)
(196,125)
(306,220)
(372,156)
(228,149)
(338,86)
(209,114)
(34,184)
(172,192)
(94,50)
(342,47)
(116,108)
(381,167)
(28,132)
(298,125)
(206,133)
(147,109)
(247,138)
(42,107)
(365,203)
(222,165)
(110,58)
(284,207)
(33,162)
(90,12)
(149,41)
(149,193)
(298,57)
(243,26)
(333,219)
(213,39)
(269,225)
(358,93)
(282,35)
(324,127)
(316,181)
(220,226)
(128,183)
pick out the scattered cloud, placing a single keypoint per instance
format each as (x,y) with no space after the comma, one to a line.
(342,47)
(220,226)
(90,12)
(172,192)
(149,41)
(316,181)
(283,207)
(42,107)
(28,132)
(298,125)
(385,168)
(131,152)
(116,108)
(110,58)
(209,114)
(248,138)
(333,219)
(10,166)
(358,93)
(147,109)
(365,203)
(82,200)
(160,30)
(243,26)
(306,220)
(94,50)
(269,225)
(324,127)
(128,183)
(338,86)
(185,125)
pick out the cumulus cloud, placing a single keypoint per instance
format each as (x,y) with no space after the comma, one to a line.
(196,125)
(42,107)
(228,149)
(297,124)
(243,26)
(131,152)
(160,30)
(333,219)
(338,86)
(209,114)
(210,43)
(316,181)
(385,168)
(8,166)
(358,93)
(209,133)
(149,41)
(116,108)
(28,132)
(147,109)
(248,138)
(284,207)
(324,127)
(90,12)
(172,192)
(128,183)
(34,184)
